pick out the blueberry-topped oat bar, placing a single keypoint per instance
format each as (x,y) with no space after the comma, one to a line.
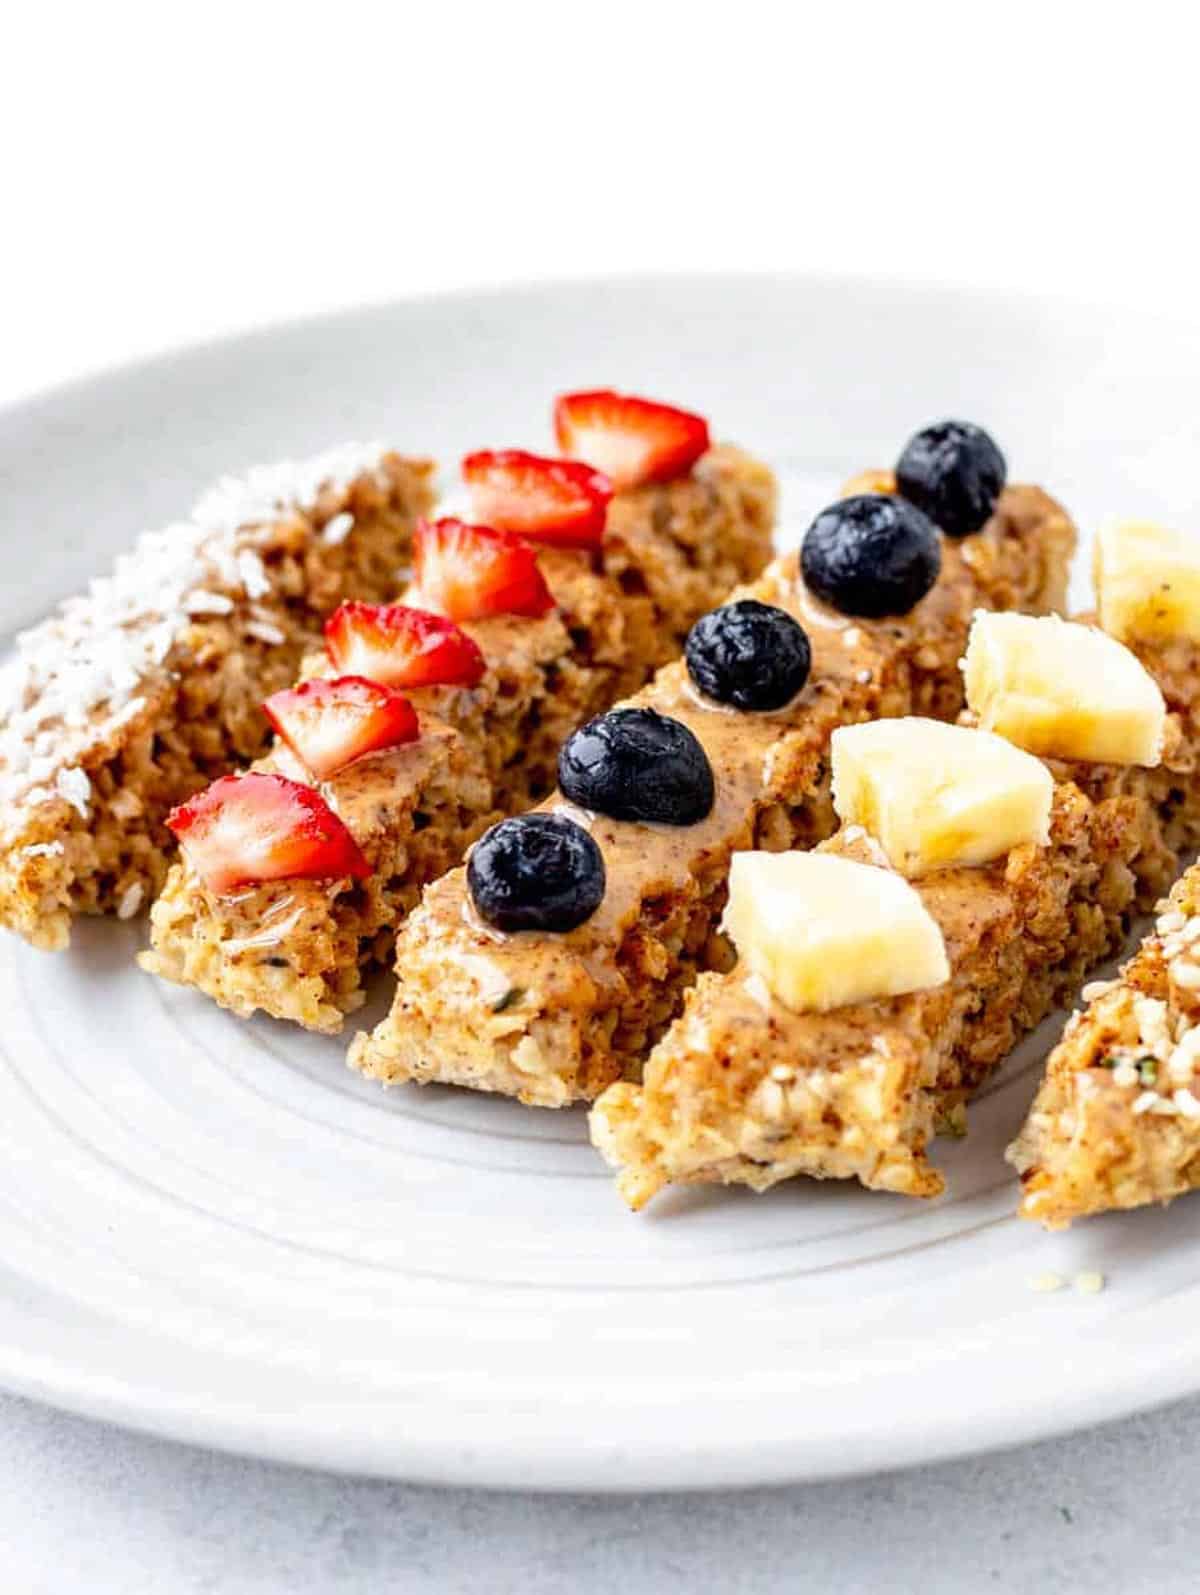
(506,984)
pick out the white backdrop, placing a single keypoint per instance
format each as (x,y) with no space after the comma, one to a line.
(172,171)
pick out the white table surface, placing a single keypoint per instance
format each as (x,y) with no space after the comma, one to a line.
(175,172)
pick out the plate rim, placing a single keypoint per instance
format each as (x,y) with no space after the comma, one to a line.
(219,1424)
(913,285)
(534,1467)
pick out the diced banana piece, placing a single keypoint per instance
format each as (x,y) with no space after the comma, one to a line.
(823,931)
(1147,581)
(934,795)
(1063,690)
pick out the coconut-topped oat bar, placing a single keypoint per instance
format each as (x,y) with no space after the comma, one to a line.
(804,1059)
(511,636)
(132,696)
(548,968)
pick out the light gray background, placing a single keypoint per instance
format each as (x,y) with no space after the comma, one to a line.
(88,1508)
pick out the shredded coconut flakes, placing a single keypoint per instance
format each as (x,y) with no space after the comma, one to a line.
(264,631)
(43,850)
(205,603)
(74,786)
(253,574)
(99,648)
(338,528)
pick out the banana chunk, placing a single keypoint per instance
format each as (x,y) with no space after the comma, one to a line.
(1147,582)
(935,795)
(1063,690)
(823,931)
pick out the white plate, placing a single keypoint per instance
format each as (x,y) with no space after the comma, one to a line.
(214,1231)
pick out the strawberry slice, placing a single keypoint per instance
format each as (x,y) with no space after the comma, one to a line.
(633,441)
(330,723)
(551,501)
(469,572)
(398,646)
(245,829)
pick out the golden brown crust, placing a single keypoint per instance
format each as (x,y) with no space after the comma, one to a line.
(1083,1148)
(298,949)
(742,1091)
(83,825)
(552,1020)
(1116,1121)
(668,555)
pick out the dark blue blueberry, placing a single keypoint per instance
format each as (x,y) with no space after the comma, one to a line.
(536,872)
(636,764)
(955,473)
(750,655)
(871,555)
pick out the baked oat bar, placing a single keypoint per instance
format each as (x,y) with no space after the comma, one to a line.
(743,1090)
(130,698)
(1114,1123)
(554,1018)
(557,634)
(754,1085)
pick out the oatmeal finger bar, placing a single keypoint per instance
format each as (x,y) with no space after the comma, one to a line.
(547,635)
(551,1015)
(1114,1123)
(754,1084)
(130,698)
(666,550)
(744,1090)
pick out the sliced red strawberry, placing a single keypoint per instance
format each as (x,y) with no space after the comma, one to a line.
(401,647)
(330,723)
(245,829)
(631,440)
(469,572)
(552,501)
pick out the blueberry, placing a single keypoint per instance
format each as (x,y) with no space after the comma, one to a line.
(536,872)
(751,655)
(954,472)
(871,555)
(635,764)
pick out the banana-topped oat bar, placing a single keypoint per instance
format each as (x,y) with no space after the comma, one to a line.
(820,1054)
(1116,1120)
(504,645)
(131,697)
(505,985)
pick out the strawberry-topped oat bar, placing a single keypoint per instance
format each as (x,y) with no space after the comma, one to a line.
(548,968)
(131,697)
(836,1047)
(513,632)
